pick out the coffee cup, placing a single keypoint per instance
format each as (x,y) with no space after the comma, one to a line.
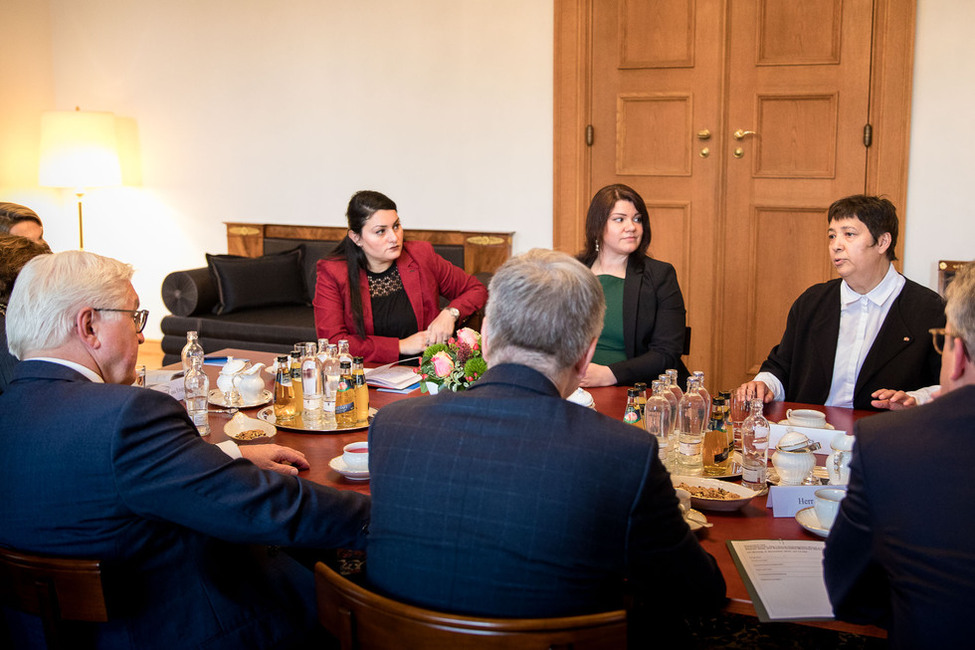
(827,504)
(806,418)
(356,456)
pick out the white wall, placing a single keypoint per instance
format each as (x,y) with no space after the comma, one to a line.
(269,111)
(940,204)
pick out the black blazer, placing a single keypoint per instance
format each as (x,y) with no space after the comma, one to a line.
(902,356)
(654,320)
(900,552)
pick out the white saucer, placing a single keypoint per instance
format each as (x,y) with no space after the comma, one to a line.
(338,464)
(695,519)
(217,398)
(786,423)
(807,519)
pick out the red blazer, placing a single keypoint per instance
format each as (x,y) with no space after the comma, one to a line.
(426,276)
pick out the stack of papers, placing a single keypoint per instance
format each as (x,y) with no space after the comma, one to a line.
(395,377)
(784,578)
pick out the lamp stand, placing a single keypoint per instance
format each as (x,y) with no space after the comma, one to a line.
(81,228)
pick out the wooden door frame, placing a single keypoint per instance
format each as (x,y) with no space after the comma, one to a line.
(889,113)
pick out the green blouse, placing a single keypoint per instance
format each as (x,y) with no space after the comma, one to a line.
(610,347)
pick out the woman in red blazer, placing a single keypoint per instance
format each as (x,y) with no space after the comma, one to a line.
(383,294)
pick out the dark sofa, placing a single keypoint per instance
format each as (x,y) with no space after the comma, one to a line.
(264,302)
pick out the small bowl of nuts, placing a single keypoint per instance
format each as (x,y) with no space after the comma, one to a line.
(712,494)
(245,429)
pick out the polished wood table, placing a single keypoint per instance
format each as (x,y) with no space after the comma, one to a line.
(754,521)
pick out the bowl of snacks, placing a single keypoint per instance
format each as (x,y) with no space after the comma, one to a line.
(712,494)
(245,429)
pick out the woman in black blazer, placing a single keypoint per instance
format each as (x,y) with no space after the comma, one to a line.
(643,331)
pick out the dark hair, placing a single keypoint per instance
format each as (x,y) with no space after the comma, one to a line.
(362,206)
(877,214)
(15,252)
(600,208)
(13,213)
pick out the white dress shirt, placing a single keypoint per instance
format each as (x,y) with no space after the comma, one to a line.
(228,447)
(861,317)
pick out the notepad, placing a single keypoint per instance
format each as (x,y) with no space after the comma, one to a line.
(784,578)
(396,377)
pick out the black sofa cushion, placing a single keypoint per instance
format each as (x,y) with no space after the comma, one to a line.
(266,281)
(189,292)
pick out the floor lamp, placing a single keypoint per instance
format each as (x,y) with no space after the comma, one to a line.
(79,151)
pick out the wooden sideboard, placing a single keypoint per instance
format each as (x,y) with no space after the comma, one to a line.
(483,251)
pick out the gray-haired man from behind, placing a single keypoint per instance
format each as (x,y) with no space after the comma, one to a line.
(91,466)
(507,500)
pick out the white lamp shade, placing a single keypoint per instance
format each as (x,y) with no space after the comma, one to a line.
(78,150)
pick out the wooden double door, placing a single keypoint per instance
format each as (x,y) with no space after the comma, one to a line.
(739,122)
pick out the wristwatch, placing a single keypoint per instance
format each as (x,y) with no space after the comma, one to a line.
(453,311)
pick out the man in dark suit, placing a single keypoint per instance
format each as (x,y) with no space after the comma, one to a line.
(901,552)
(91,466)
(507,500)
(849,338)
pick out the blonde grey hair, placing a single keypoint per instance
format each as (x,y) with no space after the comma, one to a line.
(52,289)
(544,309)
(960,309)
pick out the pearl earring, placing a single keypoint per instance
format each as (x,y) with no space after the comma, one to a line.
(597,245)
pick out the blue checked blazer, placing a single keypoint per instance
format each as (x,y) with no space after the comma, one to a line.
(507,500)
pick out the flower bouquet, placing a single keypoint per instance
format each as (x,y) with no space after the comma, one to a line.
(453,365)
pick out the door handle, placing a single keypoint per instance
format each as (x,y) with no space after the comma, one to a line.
(741,133)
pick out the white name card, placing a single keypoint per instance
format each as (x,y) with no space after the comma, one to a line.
(787,500)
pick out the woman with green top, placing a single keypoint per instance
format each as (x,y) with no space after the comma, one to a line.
(643,331)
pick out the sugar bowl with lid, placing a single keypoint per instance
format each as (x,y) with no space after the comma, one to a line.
(794,458)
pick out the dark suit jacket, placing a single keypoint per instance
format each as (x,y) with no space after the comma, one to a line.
(120,473)
(7,361)
(654,320)
(508,500)
(901,357)
(901,552)
(426,276)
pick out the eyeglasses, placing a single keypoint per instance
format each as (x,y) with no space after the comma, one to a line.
(139,317)
(938,336)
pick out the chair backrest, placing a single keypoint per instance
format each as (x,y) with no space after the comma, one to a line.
(364,620)
(55,589)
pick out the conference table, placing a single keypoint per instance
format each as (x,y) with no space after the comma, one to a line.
(753,521)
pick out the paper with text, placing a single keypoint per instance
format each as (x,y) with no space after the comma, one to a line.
(784,578)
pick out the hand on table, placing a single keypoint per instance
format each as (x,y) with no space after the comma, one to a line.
(413,344)
(283,460)
(895,400)
(755,390)
(441,329)
(598,375)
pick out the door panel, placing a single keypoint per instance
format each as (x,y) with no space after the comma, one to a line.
(799,75)
(746,233)
(655,77)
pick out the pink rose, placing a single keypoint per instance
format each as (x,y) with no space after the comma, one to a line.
(470,337)
(442,363)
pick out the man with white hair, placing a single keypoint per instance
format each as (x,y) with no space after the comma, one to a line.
(91,466)
(508,500)
(901,552)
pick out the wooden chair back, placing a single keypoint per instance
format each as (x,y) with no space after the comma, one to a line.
(55,589)
(364,620)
